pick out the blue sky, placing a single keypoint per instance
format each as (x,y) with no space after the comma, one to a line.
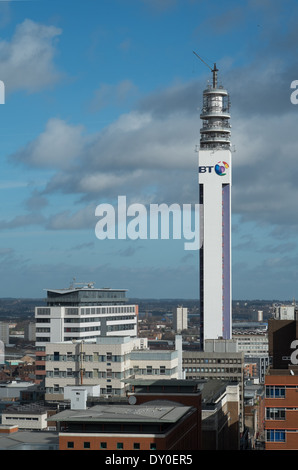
(102,99)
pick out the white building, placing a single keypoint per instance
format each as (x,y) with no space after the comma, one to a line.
(105,362)
(4,332)
(215,168)
(180,319)
(252,344)
(84,313)
(284,312)
(31,417)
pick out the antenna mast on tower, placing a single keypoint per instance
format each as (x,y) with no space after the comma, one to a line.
(214,70)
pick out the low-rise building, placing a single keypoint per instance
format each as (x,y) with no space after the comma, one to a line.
(106,362)
(30,417)
(152,426)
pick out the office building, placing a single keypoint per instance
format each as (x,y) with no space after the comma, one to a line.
(4,332)
(128,427)
(220,415)
(180,321)
(220,360)
(215,168)
(106,362)
(82,313)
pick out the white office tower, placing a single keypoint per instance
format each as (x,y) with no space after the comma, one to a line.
(84,313)
(180,319)
(215,167)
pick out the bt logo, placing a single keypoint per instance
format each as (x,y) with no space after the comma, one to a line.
(220,168)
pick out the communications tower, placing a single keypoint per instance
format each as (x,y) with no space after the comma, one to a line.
(215,167)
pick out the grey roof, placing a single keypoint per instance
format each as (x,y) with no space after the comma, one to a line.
(67,290)
(29,440)
(213,389)
(156,412)
(166,382)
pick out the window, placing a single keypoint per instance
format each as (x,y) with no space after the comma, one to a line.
(70,445)
(275,435)
(119,445)
(275,391)
(56,356)
(103,445)
(86,445)
(275,413)
(136,445)
(152,446)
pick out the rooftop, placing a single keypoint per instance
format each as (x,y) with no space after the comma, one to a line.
(151,412)
(30,440)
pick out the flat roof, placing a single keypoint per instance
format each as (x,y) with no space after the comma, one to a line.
(214,388)
(33,440)
(168,382)
(76,289)
(125,414)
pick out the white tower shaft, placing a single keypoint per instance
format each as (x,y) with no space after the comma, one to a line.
(215,166)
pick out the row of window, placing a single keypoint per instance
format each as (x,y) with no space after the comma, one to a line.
(275,391)
(127,326)
(95,373)
(95,357)
(210,361)
(276,435)
(214,370)
(89,311)
(19,418)
(104,445)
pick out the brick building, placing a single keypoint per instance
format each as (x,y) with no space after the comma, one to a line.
(281,386)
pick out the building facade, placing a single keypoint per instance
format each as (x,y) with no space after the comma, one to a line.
(129,427)
(82,313)
(215,167)
(219,360)
(281,383)
(281,409)
(180,320)
(107,363)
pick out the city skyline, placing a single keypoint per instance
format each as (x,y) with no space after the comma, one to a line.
(103,99)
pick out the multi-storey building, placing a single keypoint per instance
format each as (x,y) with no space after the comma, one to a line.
(82,313)
(180,321)
(4,332)
(106,362)
(281,386)
(220,360)
(281,405)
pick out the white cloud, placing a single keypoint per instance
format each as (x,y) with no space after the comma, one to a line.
(26,61)
(57,147)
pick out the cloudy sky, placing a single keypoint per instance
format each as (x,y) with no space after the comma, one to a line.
(102,99)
